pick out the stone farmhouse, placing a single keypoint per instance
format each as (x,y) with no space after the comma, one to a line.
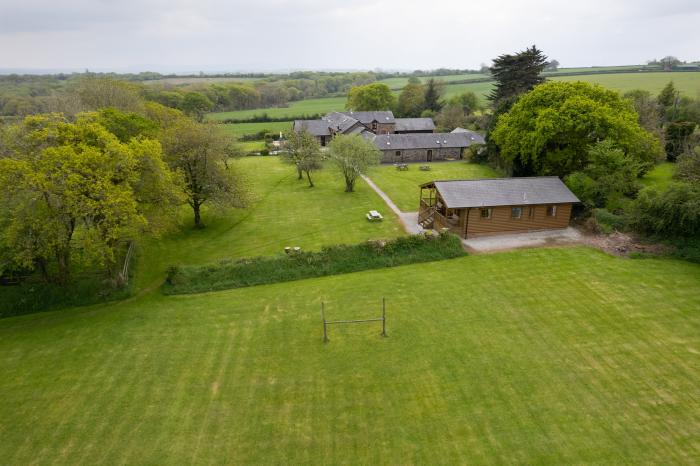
(399,139)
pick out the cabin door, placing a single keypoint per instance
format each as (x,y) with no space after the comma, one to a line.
(430,155)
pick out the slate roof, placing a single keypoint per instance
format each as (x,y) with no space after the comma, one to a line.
(414,124)
(425,141)
(459,194)
(368,117)
(314,127)
(340,121)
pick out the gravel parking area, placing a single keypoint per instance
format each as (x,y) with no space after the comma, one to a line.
(521,240)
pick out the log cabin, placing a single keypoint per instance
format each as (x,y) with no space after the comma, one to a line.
(474,208)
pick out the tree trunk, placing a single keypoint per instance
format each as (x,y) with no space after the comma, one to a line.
(308,176)
(299,172)
(349,185)
(63,262)
(41,263)
(197,215)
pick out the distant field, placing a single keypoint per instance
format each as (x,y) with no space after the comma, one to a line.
(686,82)
(300,107)
(195,80)
(240,129)
(403,186)
(398,83)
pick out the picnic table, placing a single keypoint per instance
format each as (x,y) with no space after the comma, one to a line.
(425,168)
(401,166)
(374,216)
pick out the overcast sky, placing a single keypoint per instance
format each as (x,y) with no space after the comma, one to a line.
(234,35)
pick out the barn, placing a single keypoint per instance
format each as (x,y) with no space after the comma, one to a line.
(473,208)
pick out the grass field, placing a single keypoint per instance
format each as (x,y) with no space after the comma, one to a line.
(399,83)
(250,147)
(403,186)
(297,108)
(283,212)
(240,129)
(549,356)
(660,177)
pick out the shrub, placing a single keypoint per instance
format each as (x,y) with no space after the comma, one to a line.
(608,222)
(330,260)
(674,212)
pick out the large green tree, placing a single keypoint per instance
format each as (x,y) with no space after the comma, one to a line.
(411,100)
(375,96)
(608,176)
(304,152)
(352,156)
(72,190)
(516,74)
(200,151)
(434,91)
(550,129)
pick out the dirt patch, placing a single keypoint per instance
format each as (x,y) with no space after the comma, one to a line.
(621,244)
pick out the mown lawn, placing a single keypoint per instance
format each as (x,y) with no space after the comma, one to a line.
(660,177)
(283,211)
(548,356)
(403,187)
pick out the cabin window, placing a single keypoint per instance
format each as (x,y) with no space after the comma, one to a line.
(485,213)
(551,211)
(531,212)
(374,126)
(397,153)
(516,212)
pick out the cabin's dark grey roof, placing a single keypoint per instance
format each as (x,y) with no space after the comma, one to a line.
(459,194)
(313,127)
(368,117)
(414,124)
(425,141)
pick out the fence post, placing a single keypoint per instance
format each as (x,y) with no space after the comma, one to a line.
(323,316)
(383,317)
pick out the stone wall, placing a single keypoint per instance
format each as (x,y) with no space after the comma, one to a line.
(421,155)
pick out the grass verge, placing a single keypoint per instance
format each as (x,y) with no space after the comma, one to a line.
(331,260)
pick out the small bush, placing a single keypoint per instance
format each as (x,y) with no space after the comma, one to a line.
(330,260)
(608,222)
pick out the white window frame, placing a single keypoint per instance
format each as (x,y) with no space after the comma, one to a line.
(488,216)
(520,212)
(553,210)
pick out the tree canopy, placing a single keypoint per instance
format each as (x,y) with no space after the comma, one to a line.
(352,155)
(516,74)
(375,96)
(304,152)
(411,100)
(550,129)
(200,151)
(434,90)
(74,189)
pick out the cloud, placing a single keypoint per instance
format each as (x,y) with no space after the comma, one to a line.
(186,35)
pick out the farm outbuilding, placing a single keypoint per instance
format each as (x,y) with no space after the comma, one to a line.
(472,208)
